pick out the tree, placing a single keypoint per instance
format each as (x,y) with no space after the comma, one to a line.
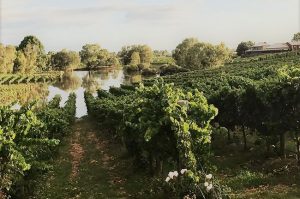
(204,55)
(181,50)
(65,60)
(296,37)
(26,61)
(36,45)
(135,59)
(243,47)
(92,55)
(145,53)
(224,54)
(89,55)
(7,58)
(192,54)
(113,61)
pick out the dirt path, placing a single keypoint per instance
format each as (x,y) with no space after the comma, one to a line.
(90,166)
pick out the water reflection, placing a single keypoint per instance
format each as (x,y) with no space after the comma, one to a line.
(90,82)
(70,82)
(79,81)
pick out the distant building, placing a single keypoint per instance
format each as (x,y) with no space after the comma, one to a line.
(264,48)
(294,45)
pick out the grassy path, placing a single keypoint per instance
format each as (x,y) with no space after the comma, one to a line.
(90,166)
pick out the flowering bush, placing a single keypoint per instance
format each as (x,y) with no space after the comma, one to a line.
(189,185)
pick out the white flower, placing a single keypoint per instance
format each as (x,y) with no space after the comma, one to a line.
(206,184)
(171,175)
(209,176)
(183,171)
(209,187)
(168,179)
(175,173)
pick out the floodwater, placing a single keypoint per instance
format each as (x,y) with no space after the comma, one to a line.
(76,81)
(79,81)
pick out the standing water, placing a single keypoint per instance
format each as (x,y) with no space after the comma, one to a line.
(79,81)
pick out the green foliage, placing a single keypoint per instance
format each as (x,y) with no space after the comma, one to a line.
(92,56)
(243,47)
(296,37)
(162,57)
(65,60)
(246,179)
(33,51)
(169,69)
(28,138)
(160,125)
(131,68)
(149,71)
(135,59)
(160,121)
(32,40)
(145,53)
(26,61)
(27,78)
(193,54)
(181,51)
(262,95)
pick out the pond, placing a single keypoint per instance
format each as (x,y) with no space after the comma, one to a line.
(76,81)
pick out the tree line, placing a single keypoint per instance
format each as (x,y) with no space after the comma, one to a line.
(30,56)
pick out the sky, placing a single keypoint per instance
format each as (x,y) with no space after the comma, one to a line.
(162,24)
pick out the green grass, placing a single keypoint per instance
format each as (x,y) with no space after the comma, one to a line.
(102,169)
(254,173)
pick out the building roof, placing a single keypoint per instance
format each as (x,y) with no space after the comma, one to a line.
(294,43)
(278,46)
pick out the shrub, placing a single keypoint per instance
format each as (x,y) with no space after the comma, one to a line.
(169,69)
(246,179)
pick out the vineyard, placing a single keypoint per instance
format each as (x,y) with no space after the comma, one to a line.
(23,93)
(168,123)
(29,139)
(180,130)
(261,94)
(30,78)
(161,127)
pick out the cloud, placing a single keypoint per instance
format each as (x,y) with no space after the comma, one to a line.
(160,23)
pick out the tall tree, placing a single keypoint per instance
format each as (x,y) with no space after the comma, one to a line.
(65,60)
(193,54)
(243,47)
(26,61)
(92,55)
(35,44)
(145,53)
(181,50)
